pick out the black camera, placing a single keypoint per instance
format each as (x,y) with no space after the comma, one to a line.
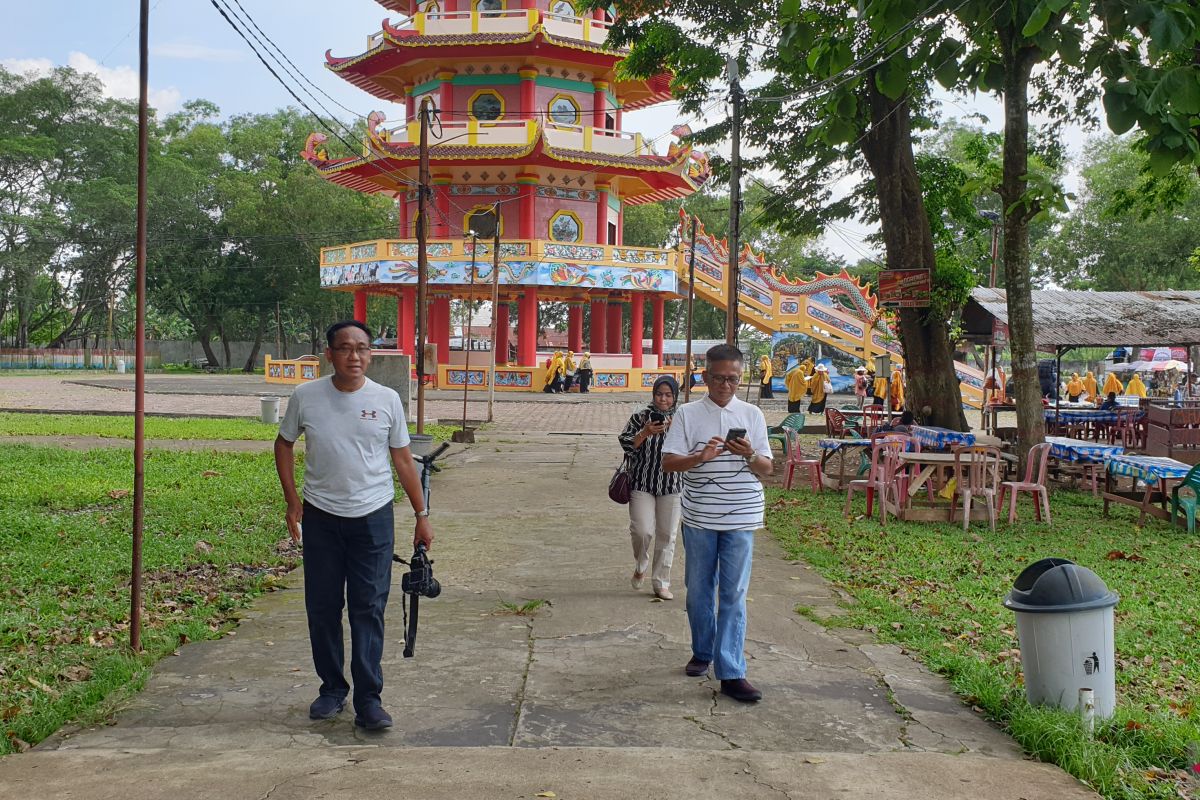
(419,580)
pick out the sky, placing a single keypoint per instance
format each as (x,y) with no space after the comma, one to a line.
(195,54)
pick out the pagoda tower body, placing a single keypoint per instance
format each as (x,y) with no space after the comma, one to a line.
(531,138)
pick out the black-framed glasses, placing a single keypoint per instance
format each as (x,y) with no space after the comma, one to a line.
(728,380)
(361,351)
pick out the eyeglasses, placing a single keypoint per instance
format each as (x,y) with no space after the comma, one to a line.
(360,351)
(728,380)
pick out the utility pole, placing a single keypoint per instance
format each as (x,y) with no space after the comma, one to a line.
(422,256)
(732,291)
(139,393)
(687,358)
(495,304)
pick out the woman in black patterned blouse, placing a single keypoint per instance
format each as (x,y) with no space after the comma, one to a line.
(654,499)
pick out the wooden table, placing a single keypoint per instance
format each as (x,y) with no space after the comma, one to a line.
(1156,473)
(929,463)
(839,447)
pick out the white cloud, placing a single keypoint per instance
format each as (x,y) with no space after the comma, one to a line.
(115,81)
(186,51)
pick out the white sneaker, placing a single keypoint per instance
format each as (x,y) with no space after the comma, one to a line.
(637,580)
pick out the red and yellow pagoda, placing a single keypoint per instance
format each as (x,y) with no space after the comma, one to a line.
(531,130)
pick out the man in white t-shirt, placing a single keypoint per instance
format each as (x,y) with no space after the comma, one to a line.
(722,506)
(354,434)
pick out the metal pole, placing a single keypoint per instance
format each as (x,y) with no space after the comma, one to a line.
(687,359)
(735,207)
(422,255)
(139,396)
(495,304)
(1057,391)
(467,332)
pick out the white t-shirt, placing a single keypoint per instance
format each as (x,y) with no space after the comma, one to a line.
(723,494)
(347,436)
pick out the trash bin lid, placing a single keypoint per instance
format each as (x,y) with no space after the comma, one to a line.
(1055,585)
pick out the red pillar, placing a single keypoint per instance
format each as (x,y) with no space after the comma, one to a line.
(529,107)
(601,212)
(446,94)
(527,322)
(527,205)
(410,104)
(613,344)
(402,212)
(598,339)
(575,327)
(500,345)
(360,305)
(657,323)
(599,101)
(442,304)
(636,324)
(406,338)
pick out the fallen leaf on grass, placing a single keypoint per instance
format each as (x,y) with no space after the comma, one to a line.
(117,494)
(203,546)
(75,673)
(1121,555)
(18,744)
(1133,725)
(10,712)
(35,683)
(210,473)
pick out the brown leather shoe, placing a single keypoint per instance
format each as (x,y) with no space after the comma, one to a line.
(741,690)
(696,668)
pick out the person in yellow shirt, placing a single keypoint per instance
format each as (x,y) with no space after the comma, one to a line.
(1113,385)
(897,389)
(879,390)
(554,374)
(1074,388)
(1091,387)
(568,371)
(797,386)
(766,373)
(817,384)
(1136,386)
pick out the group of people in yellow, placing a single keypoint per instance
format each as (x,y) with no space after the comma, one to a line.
(1087,389)
(809,379)
(562,372)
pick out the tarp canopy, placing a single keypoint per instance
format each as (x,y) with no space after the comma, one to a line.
(1063,319)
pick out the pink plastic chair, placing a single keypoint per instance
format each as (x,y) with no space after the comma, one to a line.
(796,458)
(1034,483)
(977,478)
(873,482)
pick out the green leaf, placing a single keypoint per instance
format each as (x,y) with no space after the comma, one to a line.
(1037,20)
(1162,161)
(1121,114)
(892,77)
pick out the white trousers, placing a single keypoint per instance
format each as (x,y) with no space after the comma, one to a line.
(653,523)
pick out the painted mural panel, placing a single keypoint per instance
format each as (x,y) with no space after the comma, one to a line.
(535,273)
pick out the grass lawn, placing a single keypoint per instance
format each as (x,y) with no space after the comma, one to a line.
(936,591)
(121,427)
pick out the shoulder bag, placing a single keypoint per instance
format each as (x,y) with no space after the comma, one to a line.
(621,484)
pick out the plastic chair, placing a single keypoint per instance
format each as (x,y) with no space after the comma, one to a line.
(793,422)
(1186,496)
(1034,483)
(871,484)
(837,425)
(796,458)
(893,480)
(1125,429)
(978,477)
(873,417)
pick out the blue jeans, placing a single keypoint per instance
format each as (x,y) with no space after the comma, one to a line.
(717,577)
(348,562)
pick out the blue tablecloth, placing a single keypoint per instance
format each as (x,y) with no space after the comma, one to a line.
(838,444)
(1147,468)
(1078,450)
(1071,415)
(940,438)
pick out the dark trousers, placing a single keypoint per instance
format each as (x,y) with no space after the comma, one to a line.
(348,562)
(585,380)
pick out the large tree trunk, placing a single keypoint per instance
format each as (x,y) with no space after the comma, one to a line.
(1018,63)
(933,391)
(258,337)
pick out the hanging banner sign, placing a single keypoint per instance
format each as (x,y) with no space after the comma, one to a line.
(905,288)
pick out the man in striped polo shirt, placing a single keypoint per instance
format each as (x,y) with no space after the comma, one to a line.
(722,507)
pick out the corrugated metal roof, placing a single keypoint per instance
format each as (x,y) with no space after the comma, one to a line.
(1094,319)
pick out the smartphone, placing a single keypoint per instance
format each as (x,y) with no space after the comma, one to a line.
(735,433)
(658,416)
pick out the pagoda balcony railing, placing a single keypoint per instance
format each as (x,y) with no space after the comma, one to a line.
(522,20)
(523,131)
(459,249)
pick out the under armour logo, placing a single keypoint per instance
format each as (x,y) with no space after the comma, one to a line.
(368,414)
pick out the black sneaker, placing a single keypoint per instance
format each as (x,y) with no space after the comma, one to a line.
(696,668)
(373,719)
(741,690)
(326,707)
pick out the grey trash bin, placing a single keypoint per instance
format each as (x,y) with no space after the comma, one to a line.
(270,410)
(420,444)
(1065,627)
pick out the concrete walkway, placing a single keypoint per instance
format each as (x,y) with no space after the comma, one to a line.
(584,699)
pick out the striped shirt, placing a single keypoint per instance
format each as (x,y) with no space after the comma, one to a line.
(645,462)
(722,494)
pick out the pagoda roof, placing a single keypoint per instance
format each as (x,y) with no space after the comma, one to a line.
(381,167)
(375,70)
